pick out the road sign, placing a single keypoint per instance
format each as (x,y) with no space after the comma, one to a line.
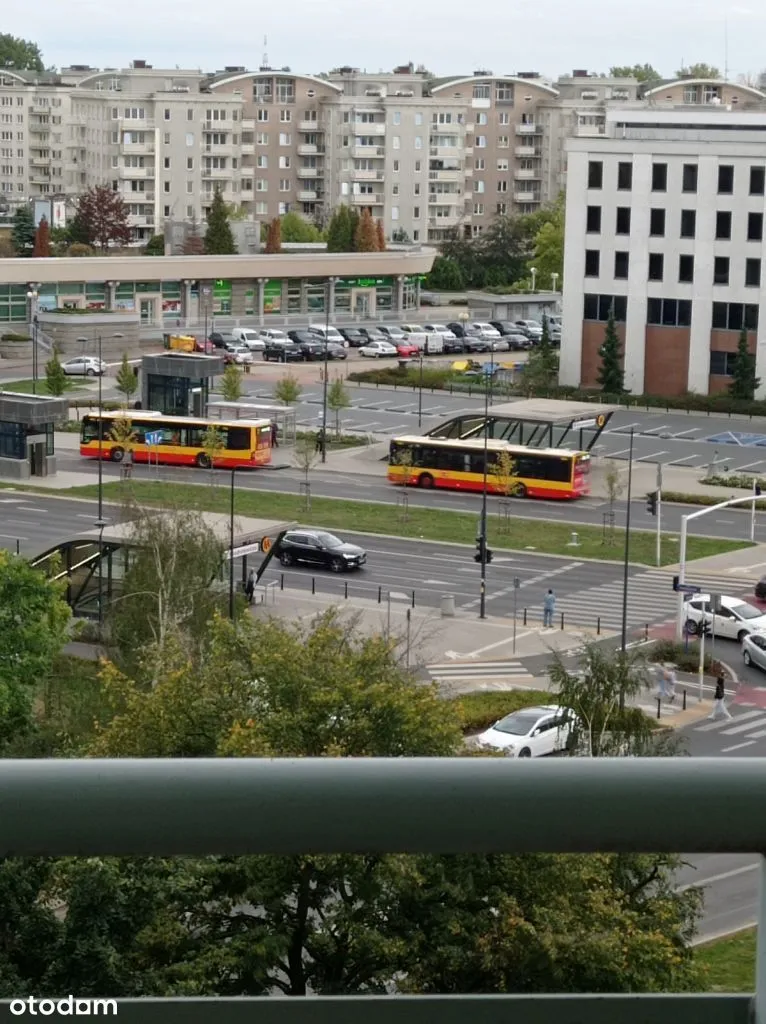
(585,424)
(516,582)
(154,437)
(685,588)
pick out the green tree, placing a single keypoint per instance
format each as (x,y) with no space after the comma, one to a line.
(380,235)
(699,70)
(23,231)
(19,54)
(77,231)
(287,390)
(445,275)
(365,235)
(744,382)
(124,434)
(126,381)
(548,256)
(541,370)
(338,399)
(42,247)
(611,375)
(213,447)
(306,454)
(155,246)
(641,72)
(231,383)
(502,251)
(103,217)
(79,249)
(56,382)
(340,233)
(295,228)
(219,241)
(274,237)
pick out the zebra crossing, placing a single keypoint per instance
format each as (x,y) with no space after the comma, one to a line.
(502,674)
(744,729)
(650,598)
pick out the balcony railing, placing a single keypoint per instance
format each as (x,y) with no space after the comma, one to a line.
(399,805)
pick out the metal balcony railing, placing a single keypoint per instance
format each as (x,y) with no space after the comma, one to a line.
(396,805)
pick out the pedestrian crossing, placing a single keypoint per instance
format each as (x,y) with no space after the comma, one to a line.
(650,599)
(478,671)
(742,729)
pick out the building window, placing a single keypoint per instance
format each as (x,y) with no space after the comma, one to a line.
(730,316)
(685,269)
(689,178)
(190,188)
(753,273)
(624,176)
(397,118)
(656,266)
(593,220)
(165,163)
(721,270)
(688,223)
(657,223)
(190,138)
(189,114)
(659,177)
(723,224)
(669,312)
(757,176)
(592,262)
(754,227)
(722,364)
(285,139)
(621,264)
(396,142)
(416,213)
(622,221)
(598,307)
(725,180)
(167,114)
(263,115)
(190,163)
(284,184)
(595,174)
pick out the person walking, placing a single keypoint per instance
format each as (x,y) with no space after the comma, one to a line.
(250,587)
(549,607)
(274,434)
(720,711)
(319,445)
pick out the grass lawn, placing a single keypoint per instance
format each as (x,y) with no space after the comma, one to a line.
(729,962)
(25,387)
(422,523)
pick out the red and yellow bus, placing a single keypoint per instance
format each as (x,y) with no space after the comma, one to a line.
(456,464)
(175,440)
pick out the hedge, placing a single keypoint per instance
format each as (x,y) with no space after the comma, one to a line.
(477,711)
(685,657)
(14,336)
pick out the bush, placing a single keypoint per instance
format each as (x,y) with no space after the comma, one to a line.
(344,441)
(14,336)
(477,711)
(408,377)
(686,660)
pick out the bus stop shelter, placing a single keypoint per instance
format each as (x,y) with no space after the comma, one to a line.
(27,424)
(283,415)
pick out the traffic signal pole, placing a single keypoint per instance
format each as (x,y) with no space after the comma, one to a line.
(659,514)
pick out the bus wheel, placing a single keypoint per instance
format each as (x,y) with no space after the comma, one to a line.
(118,454)
(519,491)
(425,480)
(203,460)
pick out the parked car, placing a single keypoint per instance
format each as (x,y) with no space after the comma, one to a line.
(352,335)
(393,334)
(85,366)
(754,650)
(485,329)
(531,328)
(504,327)
(372,334)
(318,548)
(306,337)
(334,350)
(313,350)
(249,337)
(221,338)
(328,334)
(282,351)
(235,353)
(499,345)
(406,349)
(204,346)
(531,732)
(415,334)
(436,333)
(441,329)
(760,589)
(476,343)
(457,329)
(733,618)
(518,342)
(377,349)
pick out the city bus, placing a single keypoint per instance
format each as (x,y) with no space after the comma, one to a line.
(175,440)
(459,465)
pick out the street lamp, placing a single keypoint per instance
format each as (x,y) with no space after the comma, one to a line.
(483,521)
(231,545)
(100,524)
(100,375)
(32,297)
(533,272)
(326,354)
(420,390)
(626,563)
(554,280)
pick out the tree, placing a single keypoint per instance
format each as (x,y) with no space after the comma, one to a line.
(699,70)
(77,231)
(56,382)
(611,376)
(295,228)
(340,233)
(365,236)
(274,237)
(641,72)
(614,487)
(287,390)
(124,435)
(104,217)
(19,54)
(23,230)
(78,249)
(338,399)
(403,457)
(445,275)
(213,447)
(548,258)
(305,456)
(744,382)
(155,246)
(231,383)
(504,472)
(541,370)
(126,381)
(219,241)
(42,247)
(502,251)
(380,235)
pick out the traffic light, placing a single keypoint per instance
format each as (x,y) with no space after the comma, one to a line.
(651,503)
(481,546)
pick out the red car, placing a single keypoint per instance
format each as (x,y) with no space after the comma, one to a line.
(404,348)
(202,345)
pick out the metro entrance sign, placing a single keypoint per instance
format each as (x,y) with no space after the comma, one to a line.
(685,588)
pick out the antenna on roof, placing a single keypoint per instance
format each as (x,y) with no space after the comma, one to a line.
(265,54)
(725,49)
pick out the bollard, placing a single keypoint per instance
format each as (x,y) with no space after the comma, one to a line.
(562,620)
(313,585)
(281,581)
(646,631)
(380,594)
(525,616)
(598,626)
(18,546)
(683,706)
(659,707)
(413,598)
(345,590)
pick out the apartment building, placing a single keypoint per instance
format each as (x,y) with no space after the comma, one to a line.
(664,225)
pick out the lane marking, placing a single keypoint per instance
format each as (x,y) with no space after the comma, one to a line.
(753,736)
(499,643)
(739,746)
(613,455)
(12,536)
(31,508)
(691,430)
(740,718)
(648,458)
(737,728)
(722,877)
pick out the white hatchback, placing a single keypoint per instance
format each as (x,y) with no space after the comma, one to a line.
(530,732)
(249,338)
(86,366)
(732,617)
(377,349)
(486,330)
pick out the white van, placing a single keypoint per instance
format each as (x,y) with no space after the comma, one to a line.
(248,337)
(329,334)
(414,334)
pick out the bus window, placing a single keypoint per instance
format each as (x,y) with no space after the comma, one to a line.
(264,437)
(90,429)
(238,439)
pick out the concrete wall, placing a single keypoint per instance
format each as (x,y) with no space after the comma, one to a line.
(65,328)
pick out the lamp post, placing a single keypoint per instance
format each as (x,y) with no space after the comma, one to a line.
(554,280)
(533,272)
(626,563)
(100,524)
(324,375)
(420,391)
(483,521)
(231,545)
(32,297)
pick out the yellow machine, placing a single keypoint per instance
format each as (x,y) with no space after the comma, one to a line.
(179,342)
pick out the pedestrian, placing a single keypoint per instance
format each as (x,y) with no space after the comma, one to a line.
(250,587)
(549,607)
(720,711)
(319,444)
(274,434)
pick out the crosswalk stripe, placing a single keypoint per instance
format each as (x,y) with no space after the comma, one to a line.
(479,670)
(711,726)
(736,729)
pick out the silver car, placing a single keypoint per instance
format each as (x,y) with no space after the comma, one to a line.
(86,366)
(754,650)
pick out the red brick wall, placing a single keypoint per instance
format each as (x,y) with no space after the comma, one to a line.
(666,361)
(592,340)
(726,341)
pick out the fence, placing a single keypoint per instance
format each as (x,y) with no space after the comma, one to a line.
(236,807)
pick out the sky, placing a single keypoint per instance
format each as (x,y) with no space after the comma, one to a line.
(505,36)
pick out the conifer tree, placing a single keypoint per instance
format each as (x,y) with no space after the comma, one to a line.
(219,241)
(611,375)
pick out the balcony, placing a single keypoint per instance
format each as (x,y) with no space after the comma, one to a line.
(135,172)
(308,196)
(220,148)
(360,128)
(216,172)
(367,199)
(137,148)
(247,149)
(529,129)
(309,149)
(38,160)
(526,151)
(367,175)
(447,151)
(526,197)
(308,172)
(365,152)
(309,126)
(135,124)
(88,808)
(247,124)
(444,222)
(527,174)
(451,175)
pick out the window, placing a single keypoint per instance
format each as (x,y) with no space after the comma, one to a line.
(478,186)
(479,163)
(621,264)
(669,312)
(418,142)
(722,364)
(189,212)
(418,117)
(622,225)
(502,186)
(656,266)
(165,186)
(416,212)
(689,178)
(730,316)
(754,227)
(481,142)
(598,307)
(685,269)
(190,163)
(395,190)
(478,209)
(416,189)
(262,208)
(723,224)
(503,165)
(262,161)
(394,213)
(263,115)
(261,185)
(624,176)
(757,176)
(659,177)
(284,184)
(396,165)
(165,163)
(657,223)
(285,139)
(285,116)
(593,220)
(725,179)
(284,163)
(417,165)
(167,114)
(721,270)
(481,119)
(190,138)
(397,118)
(503,141)
(753,273)
(592,262)
(190,188)
(189,114)
(166,211)
(595,174)
(688,223)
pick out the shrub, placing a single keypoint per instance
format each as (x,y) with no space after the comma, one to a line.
(478,711)
(685,659)
(14,336)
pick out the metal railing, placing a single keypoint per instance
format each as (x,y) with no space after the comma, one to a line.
(396,805)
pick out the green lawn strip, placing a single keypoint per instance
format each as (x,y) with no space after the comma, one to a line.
(729,963)
(26,387)
(421,523)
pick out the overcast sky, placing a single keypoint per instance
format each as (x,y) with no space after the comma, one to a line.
(505,36)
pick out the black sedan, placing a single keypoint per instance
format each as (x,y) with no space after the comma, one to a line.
(353,336)
(282,352)
(316,548)
(313,347)
(222,338)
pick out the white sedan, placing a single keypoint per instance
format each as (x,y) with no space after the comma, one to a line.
(530,732)
(377,349)
(235,353)
(86,366)
(732,618)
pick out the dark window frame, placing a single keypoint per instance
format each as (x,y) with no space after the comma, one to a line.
(659,177)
